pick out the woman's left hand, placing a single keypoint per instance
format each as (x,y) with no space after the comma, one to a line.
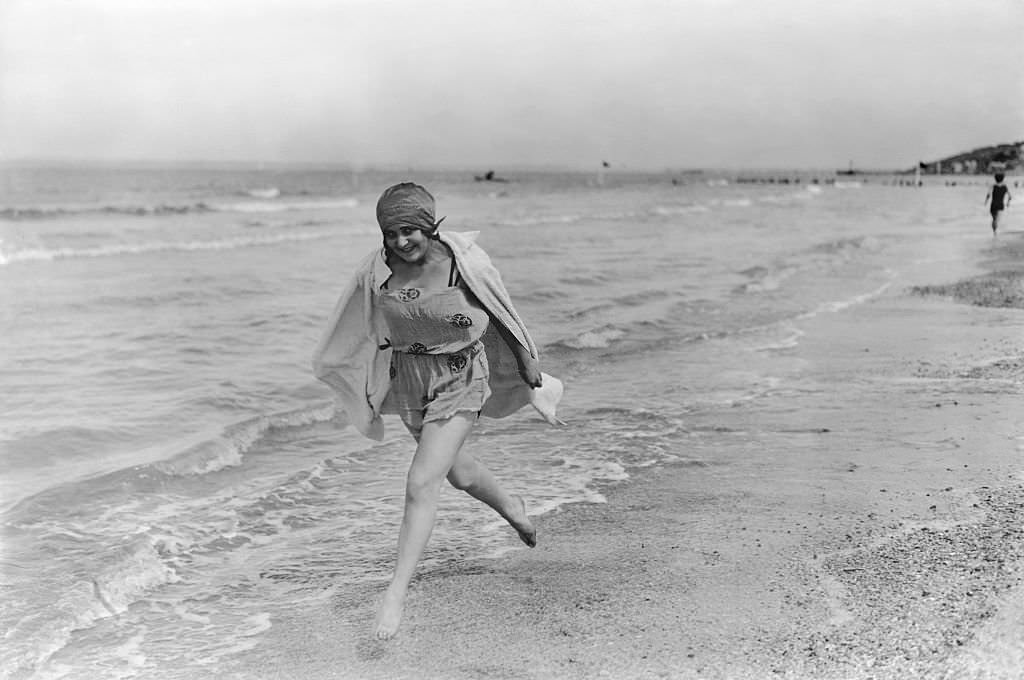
(529,371)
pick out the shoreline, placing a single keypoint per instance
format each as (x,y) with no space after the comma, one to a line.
(1002,285)
(869,531)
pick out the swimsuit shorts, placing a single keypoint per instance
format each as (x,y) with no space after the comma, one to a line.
(426,387)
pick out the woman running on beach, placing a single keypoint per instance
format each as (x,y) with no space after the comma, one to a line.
(426,330)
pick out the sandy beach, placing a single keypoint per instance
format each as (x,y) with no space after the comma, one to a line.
(881,540)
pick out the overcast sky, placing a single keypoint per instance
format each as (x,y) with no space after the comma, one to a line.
(501,83)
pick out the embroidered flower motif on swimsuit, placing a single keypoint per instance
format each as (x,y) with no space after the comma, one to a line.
(417,348)
(460,321)
(407,294)
(456,362)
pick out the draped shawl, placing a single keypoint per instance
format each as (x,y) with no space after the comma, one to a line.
(354,359)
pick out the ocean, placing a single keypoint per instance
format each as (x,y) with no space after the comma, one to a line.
(174,478)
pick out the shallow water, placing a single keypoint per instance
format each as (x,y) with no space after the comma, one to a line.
(175,477)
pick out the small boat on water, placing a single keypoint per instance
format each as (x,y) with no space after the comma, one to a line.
(849,171)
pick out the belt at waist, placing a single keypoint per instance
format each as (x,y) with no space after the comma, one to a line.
(419,349)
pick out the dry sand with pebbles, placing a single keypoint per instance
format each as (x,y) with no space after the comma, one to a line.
(866,525)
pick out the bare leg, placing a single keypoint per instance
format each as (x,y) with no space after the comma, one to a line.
(439,445)
(470,475)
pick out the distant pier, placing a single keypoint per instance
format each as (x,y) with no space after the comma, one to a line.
(878,179)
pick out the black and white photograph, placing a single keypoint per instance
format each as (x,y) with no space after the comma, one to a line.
(511,340)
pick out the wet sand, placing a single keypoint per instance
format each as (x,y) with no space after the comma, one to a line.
(863,522)
(1001,286)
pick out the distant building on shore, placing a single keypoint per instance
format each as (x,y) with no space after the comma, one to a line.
(985,160)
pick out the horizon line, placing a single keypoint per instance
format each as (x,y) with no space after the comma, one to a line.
(391,166)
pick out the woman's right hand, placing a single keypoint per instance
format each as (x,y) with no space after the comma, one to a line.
(529,371)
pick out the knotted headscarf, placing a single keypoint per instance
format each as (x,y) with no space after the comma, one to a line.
(407,205)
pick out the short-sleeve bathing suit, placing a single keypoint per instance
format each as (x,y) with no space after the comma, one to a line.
(438,367)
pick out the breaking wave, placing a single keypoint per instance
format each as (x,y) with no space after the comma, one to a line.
(116,249)
(14,214)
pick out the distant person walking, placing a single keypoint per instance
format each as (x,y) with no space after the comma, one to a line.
(1000,195)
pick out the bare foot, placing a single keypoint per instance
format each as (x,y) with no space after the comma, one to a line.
(520,521)
(389,616)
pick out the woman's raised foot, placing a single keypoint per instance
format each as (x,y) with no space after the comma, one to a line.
(520,521)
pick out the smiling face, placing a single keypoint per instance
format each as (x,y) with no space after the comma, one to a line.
(409,243)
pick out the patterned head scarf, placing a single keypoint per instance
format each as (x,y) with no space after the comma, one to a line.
(407,205)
